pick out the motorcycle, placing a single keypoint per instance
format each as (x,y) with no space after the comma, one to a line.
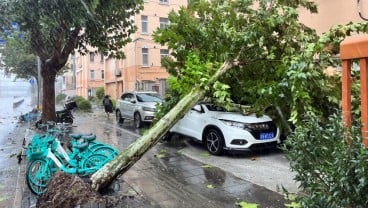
(63,116)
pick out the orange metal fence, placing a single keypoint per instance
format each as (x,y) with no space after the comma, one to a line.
(355,48)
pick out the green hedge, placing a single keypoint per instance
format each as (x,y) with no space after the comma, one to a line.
(83,104)
(331,173)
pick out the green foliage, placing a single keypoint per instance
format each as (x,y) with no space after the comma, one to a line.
(244,204)
(113,103)
(331,173)
(78,99)
(100,92)
(60,98)
(84,105)
(18,58)
(55,29)
(279,62)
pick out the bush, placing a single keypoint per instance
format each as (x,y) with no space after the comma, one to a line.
(78,99)
(83,104)
(332,173)
(100,92)
(92,99)
(60,98)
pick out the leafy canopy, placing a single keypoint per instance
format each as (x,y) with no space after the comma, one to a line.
(52,24)
(54,29)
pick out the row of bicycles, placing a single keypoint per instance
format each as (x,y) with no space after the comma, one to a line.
(46,155)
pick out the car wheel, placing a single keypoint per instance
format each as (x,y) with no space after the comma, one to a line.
(137,120)
(119,119)
(214,141)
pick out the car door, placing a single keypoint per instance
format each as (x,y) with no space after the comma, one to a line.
(192,123)
(127,105)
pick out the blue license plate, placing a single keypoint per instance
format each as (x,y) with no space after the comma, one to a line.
(268,135)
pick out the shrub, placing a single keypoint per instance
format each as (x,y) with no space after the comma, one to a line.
(92,99)
(332,173)
(78,98)
(100,92)
(84,105)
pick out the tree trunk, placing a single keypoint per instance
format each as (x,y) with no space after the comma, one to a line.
(136,150)
(48,90)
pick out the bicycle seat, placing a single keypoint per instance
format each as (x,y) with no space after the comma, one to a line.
(79,135)
(89,138)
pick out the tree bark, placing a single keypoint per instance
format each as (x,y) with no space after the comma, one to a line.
(48,90)
(122,162)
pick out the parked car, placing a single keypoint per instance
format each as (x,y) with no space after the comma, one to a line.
(137,106)
(221,130)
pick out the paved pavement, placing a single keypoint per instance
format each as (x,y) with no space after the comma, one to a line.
(171,174)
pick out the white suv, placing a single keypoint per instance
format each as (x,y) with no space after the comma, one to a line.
(220,130)
(137,106)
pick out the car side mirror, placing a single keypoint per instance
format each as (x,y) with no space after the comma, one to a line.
(197,108)
(133,101)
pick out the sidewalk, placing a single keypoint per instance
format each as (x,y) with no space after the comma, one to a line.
(164,176)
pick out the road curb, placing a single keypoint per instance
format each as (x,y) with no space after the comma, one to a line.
(21,173)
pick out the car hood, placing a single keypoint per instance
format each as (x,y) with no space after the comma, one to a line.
(252,118)
(149,104)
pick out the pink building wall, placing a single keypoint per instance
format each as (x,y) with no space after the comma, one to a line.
(333,12)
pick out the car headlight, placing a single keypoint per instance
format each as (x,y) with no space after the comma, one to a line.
(148,109)
(234,124)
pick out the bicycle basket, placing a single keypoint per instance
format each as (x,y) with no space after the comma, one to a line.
(38,148)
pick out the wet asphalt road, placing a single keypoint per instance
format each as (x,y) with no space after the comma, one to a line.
(11,137)
(180,173)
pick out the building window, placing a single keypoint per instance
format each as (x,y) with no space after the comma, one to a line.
(164,1)
(144,20)
(89,93)
(102,74)
(92,74)
(144,56)
(164,53)
(163,22)
(91,57)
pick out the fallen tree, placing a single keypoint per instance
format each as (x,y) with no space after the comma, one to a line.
(136,150)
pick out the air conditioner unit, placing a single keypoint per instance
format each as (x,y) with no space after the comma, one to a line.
(117,72)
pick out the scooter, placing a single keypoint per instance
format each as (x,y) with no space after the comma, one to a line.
(63,116)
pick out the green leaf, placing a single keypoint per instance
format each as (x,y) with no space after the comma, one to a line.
(210,186)
(244,204)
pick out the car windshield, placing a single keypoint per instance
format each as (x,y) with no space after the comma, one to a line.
(148,97)
(212,107)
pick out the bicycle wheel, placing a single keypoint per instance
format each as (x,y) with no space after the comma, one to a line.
(38,175)
(94,145)
(92,163)
(106,150)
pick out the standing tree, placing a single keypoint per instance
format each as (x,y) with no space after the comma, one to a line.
(56,28)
